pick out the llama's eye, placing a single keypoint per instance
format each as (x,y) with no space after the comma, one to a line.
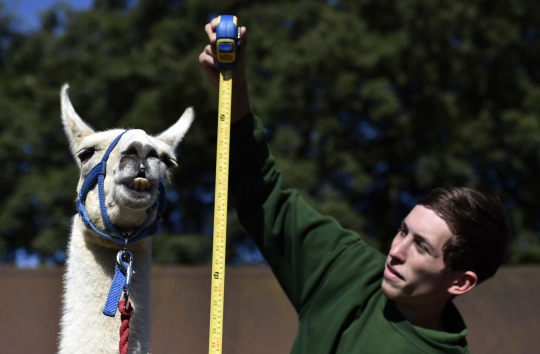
(86,154)
(153,153)
(168,159)
(131,151)
(170,163)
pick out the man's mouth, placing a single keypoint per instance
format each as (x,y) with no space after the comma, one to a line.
(391,272)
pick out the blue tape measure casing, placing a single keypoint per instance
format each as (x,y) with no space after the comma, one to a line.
(227,41)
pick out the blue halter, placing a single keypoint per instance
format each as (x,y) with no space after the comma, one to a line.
(97,175)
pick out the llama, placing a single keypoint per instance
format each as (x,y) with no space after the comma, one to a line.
(132,184)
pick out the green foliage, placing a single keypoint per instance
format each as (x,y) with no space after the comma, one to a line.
(181,249)
(369,105)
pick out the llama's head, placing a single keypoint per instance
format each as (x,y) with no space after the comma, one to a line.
(133,169)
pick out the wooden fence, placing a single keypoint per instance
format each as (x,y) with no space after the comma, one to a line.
(503,315)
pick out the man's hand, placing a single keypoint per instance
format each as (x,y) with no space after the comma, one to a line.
(208,62)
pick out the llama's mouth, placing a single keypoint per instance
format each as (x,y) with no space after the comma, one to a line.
(139,184)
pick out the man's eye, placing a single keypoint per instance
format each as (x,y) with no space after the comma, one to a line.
(421,247)
(86,154)
(402,231)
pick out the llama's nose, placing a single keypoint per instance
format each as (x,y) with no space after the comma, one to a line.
(142,171)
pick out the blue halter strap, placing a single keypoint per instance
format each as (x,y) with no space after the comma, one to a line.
(123,271)
(97,175)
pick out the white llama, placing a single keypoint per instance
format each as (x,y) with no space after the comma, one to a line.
(131,184)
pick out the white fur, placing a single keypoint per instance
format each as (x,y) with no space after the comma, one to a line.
(91,259)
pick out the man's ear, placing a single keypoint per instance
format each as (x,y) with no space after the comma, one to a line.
(464,282)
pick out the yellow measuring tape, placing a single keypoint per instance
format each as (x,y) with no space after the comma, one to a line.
(226,54)
(220,212)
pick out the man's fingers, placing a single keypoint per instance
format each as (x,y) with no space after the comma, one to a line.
(206,58)
(243,39)
(208,29)
(210,52)
(243,33)
(213,24)
(209,68)
(210,32)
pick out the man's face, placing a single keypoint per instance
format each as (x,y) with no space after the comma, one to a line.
(414,269)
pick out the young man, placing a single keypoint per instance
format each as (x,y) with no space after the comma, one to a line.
(349,297)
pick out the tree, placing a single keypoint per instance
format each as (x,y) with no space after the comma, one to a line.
(369,105)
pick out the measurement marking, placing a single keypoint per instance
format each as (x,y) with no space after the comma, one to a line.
(220,213)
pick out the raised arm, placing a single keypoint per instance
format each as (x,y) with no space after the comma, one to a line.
(301,246)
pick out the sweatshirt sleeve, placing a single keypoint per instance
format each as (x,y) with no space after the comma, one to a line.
(300,245)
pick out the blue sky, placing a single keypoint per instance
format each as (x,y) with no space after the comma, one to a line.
(28,10)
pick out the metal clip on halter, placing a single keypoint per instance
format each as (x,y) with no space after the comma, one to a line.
(126,267)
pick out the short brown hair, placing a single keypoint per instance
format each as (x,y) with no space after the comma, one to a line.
(480,229)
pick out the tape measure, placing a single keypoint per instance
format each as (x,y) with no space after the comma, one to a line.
(227,41)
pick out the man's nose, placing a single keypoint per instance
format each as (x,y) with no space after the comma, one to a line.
(399,249)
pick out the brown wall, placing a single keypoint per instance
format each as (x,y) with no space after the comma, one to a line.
(258,317)
(503,314)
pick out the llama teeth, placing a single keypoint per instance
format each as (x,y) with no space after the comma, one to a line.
(141,184)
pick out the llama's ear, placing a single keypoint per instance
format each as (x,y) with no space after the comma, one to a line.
(76,129)
(175,133)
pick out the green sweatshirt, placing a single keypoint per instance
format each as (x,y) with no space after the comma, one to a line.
(332,277)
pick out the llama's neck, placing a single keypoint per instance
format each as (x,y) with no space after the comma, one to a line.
(89,273)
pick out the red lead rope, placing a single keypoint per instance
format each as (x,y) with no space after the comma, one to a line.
(124,327)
